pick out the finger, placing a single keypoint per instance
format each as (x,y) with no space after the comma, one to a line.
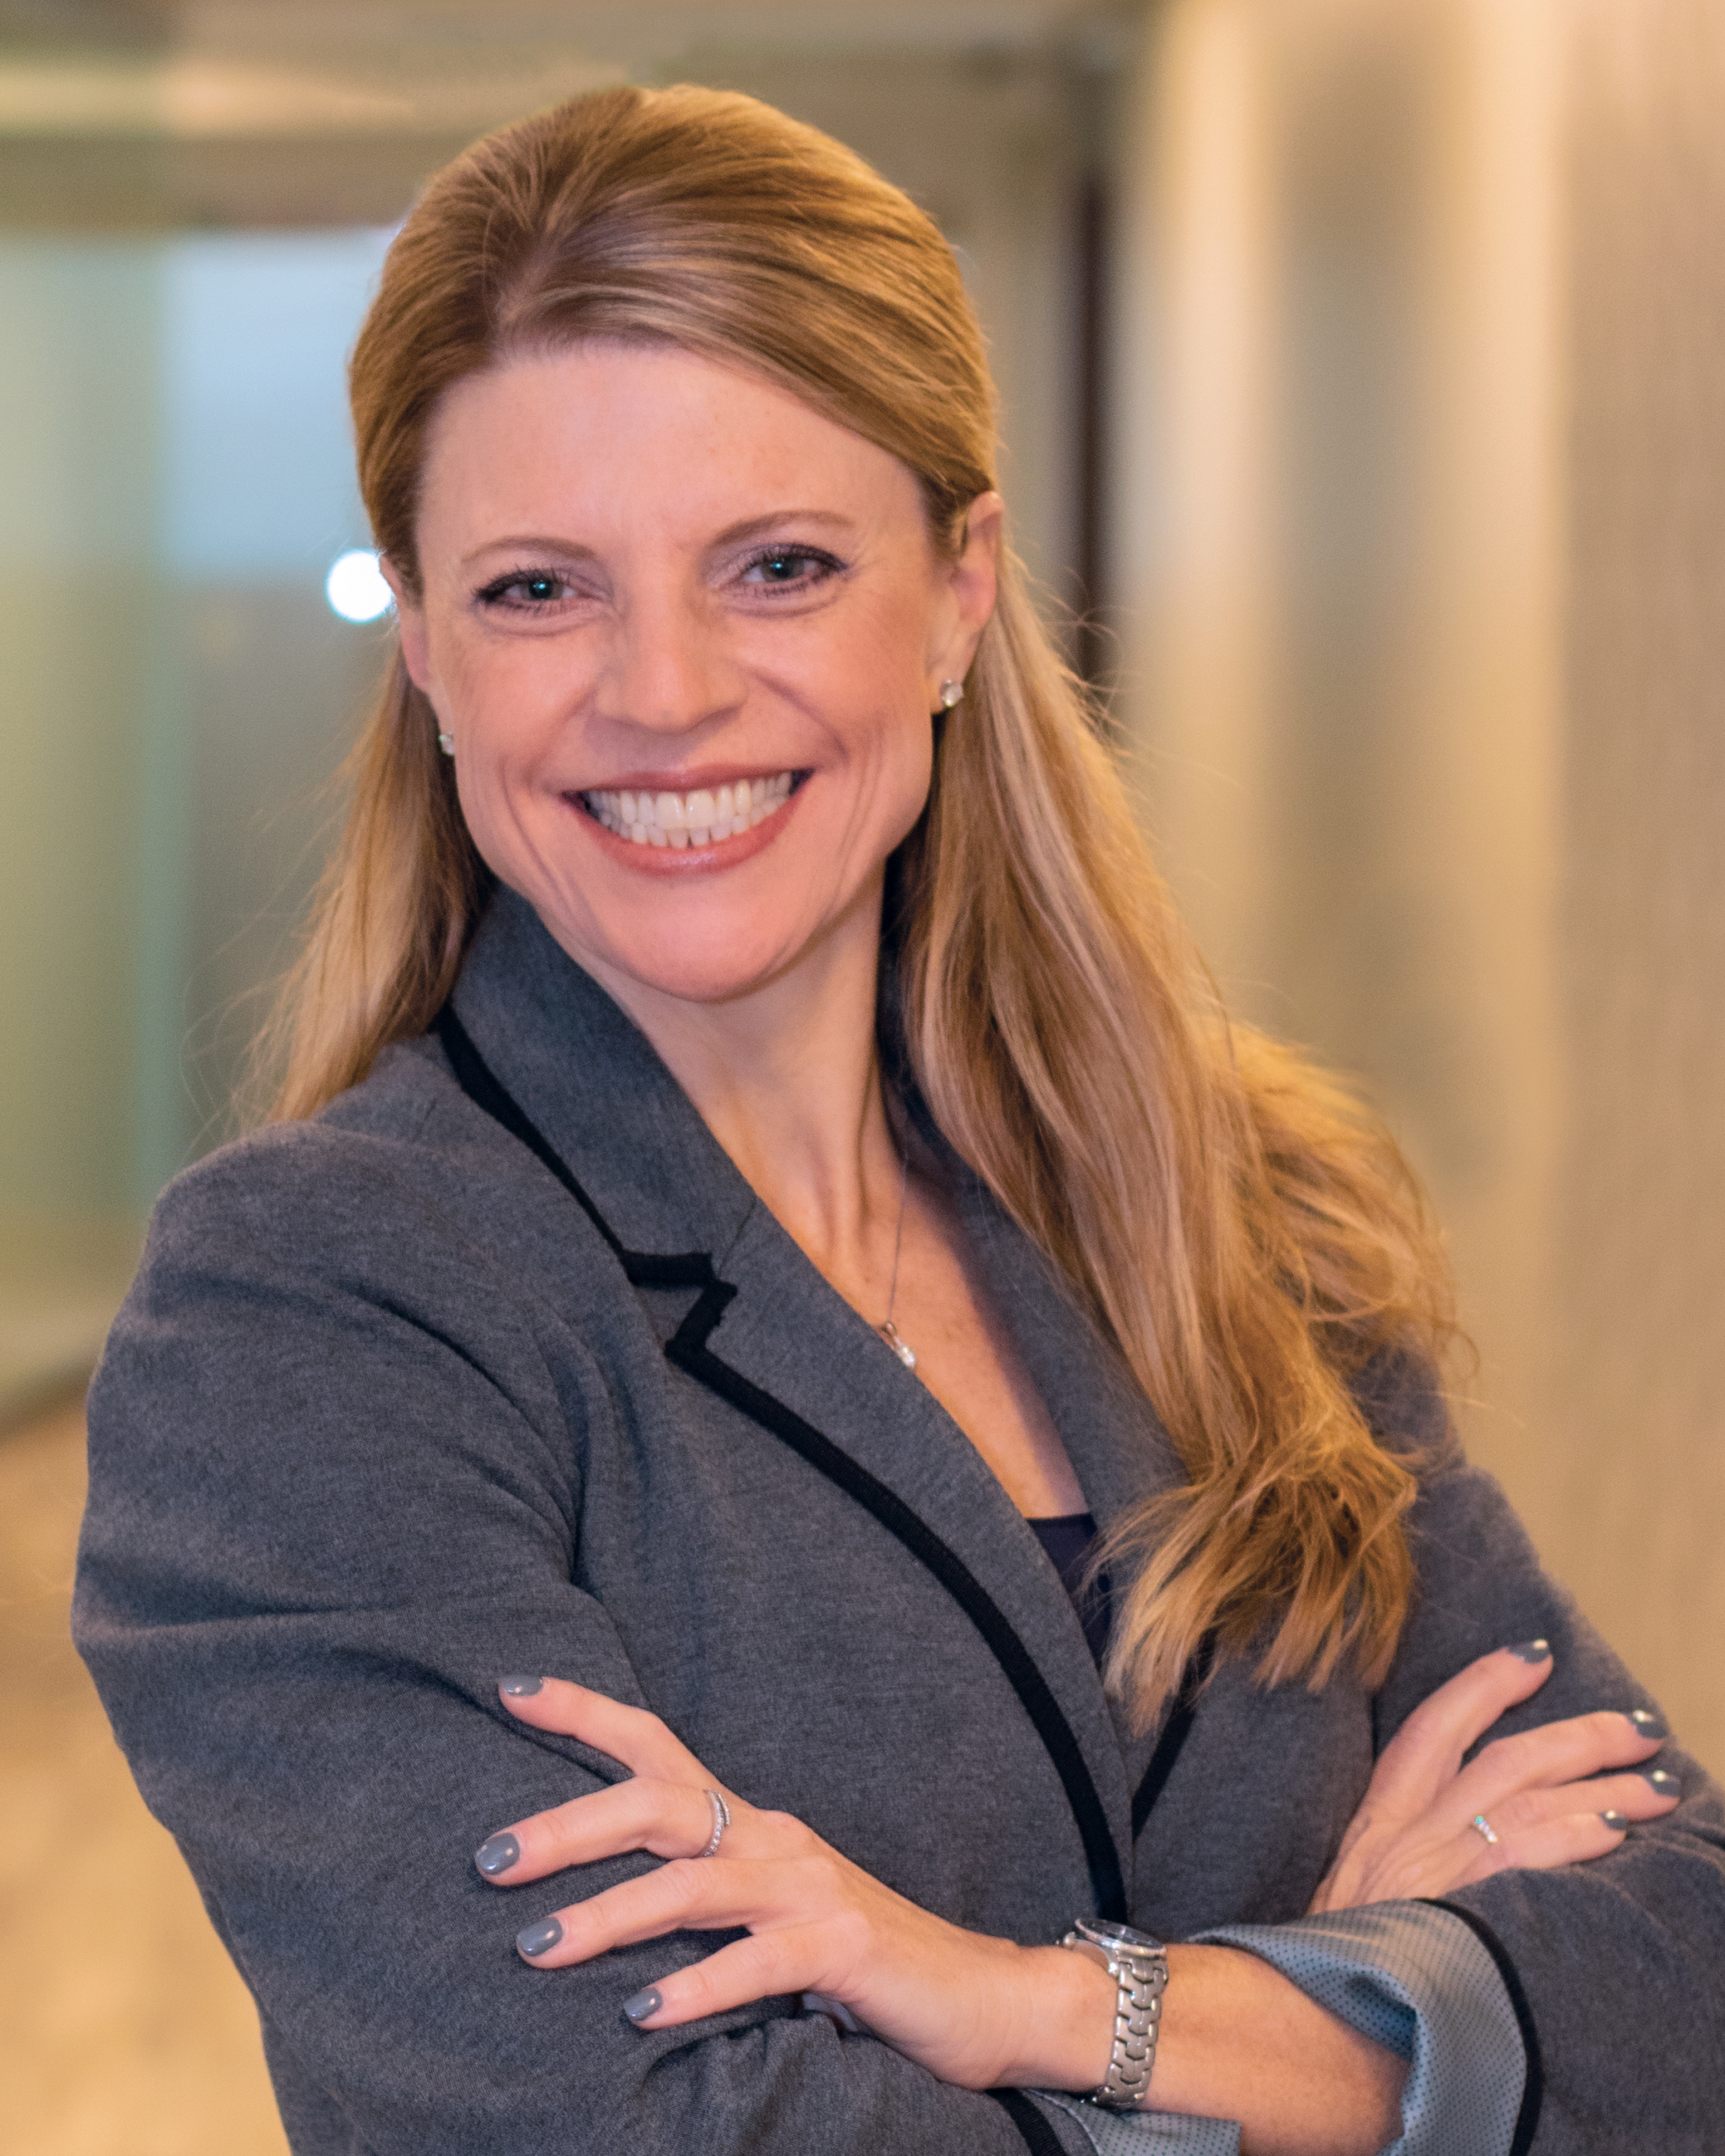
(689,1894)
(1556,1753)
(1427,1749)
(1578,1837)
(764,1965)
(1631,1797)
(1530,1831)
(640,1740)
(667,1819)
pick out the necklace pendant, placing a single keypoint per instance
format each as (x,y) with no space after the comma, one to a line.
(896,1340)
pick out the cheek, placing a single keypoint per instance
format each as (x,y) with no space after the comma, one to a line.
(504,704)
(876,699)
(912,771)
(505,718)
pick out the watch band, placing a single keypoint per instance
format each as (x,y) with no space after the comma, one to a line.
(1139,1966)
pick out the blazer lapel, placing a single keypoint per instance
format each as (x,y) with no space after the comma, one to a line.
(594,1085)
(1121,1455)
(798,1345)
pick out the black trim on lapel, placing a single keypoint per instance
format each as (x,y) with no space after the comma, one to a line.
(1176,1730)
(688,1351)
(485,1090)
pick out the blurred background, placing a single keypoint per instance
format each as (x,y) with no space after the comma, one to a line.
(1364,374)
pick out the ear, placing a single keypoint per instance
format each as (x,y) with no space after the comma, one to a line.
(410,617)
(972,582)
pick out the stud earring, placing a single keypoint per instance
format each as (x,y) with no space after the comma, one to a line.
(951,693)
(446,743)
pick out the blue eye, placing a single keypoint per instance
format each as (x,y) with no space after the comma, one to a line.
(524,589)
(790,568)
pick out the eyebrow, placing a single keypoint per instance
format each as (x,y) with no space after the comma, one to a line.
(751,527)
(521,543)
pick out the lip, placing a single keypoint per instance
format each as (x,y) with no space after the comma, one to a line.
(710,775)
(711,859)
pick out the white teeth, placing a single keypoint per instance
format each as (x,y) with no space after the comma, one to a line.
(698,819)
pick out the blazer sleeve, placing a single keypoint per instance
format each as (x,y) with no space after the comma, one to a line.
(333,1496)
(1616,1967)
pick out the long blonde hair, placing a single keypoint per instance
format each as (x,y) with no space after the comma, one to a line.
(1247,1236)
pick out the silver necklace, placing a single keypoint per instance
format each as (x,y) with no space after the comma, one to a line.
(888,1330)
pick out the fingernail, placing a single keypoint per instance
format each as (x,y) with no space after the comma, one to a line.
(539,1938)
(644,2005)
(1616,1821)
(1533,1651)
(521,1687)
(497,1854)
(1665,1784)
(1647,1723)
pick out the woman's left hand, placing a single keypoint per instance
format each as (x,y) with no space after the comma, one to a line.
(976,2011)
(1561,1793)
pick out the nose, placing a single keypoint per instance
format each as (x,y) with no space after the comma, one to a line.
(670,669)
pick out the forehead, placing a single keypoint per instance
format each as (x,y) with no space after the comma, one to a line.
(648,433)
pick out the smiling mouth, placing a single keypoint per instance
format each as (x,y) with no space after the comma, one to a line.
(700,818)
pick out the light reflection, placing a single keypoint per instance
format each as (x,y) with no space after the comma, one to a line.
(355,586)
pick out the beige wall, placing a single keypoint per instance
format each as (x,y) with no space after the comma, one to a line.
(1419,564)
(1638,1375)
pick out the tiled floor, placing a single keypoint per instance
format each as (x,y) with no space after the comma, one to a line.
(124,2029)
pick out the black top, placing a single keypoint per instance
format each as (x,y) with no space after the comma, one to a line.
(1067,1543)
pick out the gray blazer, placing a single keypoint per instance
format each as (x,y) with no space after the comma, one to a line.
(389,1411)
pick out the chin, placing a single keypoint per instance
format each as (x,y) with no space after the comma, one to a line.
(710,968)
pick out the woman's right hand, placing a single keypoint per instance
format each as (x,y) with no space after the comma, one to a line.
(976,2011)
(1545,1795)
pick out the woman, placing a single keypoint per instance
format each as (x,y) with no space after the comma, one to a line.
(757,1176)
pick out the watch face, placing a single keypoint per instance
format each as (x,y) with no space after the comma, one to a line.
(1121,1934)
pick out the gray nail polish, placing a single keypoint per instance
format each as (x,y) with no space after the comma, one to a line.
(1616,1821)
(1646,1722)
(644,2005)
(521,1687)
(1533,1651)
(539,1938)
(497,1854)
(1664,1784)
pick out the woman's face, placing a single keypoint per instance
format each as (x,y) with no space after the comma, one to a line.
(687,634)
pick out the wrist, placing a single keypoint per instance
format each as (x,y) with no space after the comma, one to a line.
(1066,2023)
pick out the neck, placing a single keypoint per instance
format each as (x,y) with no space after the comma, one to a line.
(787,1079)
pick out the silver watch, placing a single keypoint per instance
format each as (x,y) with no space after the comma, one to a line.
(1139,1964)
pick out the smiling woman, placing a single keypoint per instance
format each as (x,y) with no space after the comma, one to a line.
(594,618)
(765,1233)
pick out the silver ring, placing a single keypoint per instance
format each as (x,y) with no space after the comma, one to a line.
(722,1819)
(1481,1825)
